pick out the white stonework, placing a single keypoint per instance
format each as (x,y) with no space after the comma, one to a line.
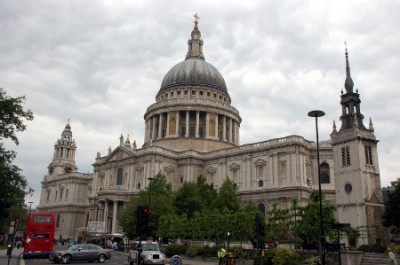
(193,130)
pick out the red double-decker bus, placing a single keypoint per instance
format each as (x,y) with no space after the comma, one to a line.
(39,236)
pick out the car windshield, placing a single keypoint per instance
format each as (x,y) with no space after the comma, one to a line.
(150,247)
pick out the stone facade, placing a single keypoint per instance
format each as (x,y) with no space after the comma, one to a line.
(193,130)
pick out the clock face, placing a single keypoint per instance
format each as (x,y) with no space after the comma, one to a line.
(68,170)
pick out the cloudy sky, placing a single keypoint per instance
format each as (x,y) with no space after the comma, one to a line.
(101,63)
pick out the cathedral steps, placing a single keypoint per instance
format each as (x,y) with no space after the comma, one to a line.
(376,258)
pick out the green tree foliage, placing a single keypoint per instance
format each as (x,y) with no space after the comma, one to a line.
(207,192)
(308,229)
(391,215)
(158,197)
(14,186)
(188,199)
(227,197)
(277,223)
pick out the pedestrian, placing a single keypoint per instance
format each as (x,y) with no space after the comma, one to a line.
(221,255)
(392,257)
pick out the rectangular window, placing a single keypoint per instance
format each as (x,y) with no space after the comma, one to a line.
(346,156)
(201,132)
(368,155)
(192,131)
(120,173)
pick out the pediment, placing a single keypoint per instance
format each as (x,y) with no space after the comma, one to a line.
(119,153)
(211,170)
(260,162)
(234,166)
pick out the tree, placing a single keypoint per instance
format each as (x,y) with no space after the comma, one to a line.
(227,197)
(13,186)
(307,230)
(188,200)
(277,223)
(159,196)
(391,216)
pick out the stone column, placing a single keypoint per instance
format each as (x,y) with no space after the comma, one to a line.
(216,126)
(114,219)
(187,124)
(159,126)
(167,131)
(207,124)
(224,129)
(230,130)
(197,124)
(153,134)
(178,114)
(105,214)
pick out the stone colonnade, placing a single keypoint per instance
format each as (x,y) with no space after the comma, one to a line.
(104,211)
(193,124)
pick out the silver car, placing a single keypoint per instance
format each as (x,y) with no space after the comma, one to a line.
(81,252)
(150,254)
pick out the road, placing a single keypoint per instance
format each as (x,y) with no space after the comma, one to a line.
(116,258)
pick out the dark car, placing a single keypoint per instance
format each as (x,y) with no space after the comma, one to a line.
(81,252)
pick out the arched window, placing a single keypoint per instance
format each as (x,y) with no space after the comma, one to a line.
(324,170)
(119,176)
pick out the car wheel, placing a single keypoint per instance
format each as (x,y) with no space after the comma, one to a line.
(66,259)
(101,258)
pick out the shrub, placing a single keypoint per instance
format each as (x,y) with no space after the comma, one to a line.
(313,260)
(284,256)
(175,249)
(395,248)
(208,252)
(193,251)
(372,248)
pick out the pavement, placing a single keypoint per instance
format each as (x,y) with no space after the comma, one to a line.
(16,256)
(186,260)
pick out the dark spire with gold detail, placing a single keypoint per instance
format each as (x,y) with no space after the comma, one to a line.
(348,84)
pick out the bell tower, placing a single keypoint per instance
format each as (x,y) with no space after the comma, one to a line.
(357,181)
(64,154)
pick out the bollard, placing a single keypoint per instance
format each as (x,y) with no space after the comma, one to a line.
(176,260)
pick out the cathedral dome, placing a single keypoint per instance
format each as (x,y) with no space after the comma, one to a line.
(194,72)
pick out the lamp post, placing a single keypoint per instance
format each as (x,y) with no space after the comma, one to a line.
(228,239)
(316,114)
(150,179)
(30,206)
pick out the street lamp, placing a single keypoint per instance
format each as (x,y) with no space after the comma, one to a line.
(30,206)
(316,114)
(150,179)
(228,239)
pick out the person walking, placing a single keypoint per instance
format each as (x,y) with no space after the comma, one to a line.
(392,257)
(221,256)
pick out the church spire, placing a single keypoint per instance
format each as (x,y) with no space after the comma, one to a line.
(195,44)
(348,84)
(352,117)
